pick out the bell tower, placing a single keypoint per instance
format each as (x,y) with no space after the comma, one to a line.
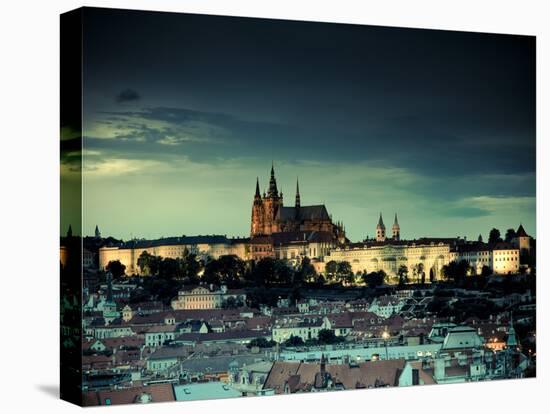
(380,230)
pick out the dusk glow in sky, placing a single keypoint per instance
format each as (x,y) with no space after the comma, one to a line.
(183,112)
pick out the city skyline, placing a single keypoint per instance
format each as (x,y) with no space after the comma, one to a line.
(436,126)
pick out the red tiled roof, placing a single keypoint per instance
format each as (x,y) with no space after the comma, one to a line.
(157,393)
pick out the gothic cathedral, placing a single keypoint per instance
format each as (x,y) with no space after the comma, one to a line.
(269,215)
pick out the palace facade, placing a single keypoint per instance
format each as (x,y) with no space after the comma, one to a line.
(372,256)
(429,254)
(172,247)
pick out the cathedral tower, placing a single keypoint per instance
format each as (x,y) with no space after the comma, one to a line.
(297,203)
(380,230)
(395,229)
(257,222)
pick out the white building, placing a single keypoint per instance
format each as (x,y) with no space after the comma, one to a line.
(389,255)
(172,247)
(500,258)
(303,327)
(386,306)
(207,297)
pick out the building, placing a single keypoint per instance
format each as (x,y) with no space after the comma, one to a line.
(159,334)
(135,395)
(207,297)
(522,241)
(269,215)
(386,306)
(172,247)
(305,328)
(297,377)
(389,255)
(211,390)
(250,379)
(499,258)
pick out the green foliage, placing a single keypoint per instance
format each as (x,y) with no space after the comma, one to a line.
(494,236)
(418,273)
(510,235)
(294,341)
(403,274)
(331,269)
(186,267)
(261,296)
(116,268)
(456,271)
(327,337)
(269,271)
(306,272)
(339,271)
(228,270)
(261,343)
(374,279)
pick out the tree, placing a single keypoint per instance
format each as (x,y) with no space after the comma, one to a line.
(374,279)
(419,272)
(485,271)
(331,269)
(306,271)
(190,267)
(494,236)
(456,271)
(294,341)
(169,268)
(282,274)
(261,342)
(403,273)
(116,268)
(261,296)
(510,235)
(344,272)
(327,336)
(228,269)
(263,271)
(432,275)
(143,262)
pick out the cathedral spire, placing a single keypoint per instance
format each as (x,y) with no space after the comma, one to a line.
(297,194)
(257,188)
(272,192)
(381,222)
(395,229)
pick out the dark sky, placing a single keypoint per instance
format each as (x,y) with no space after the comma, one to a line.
(182,112)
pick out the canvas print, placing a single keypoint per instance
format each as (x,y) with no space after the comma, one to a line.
(258,207)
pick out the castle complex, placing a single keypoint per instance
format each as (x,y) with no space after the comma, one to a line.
(291,233)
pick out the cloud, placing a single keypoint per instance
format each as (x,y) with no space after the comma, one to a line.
(466,212)
(111,167)
(127,95)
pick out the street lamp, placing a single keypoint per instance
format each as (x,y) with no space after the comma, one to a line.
(385,337)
